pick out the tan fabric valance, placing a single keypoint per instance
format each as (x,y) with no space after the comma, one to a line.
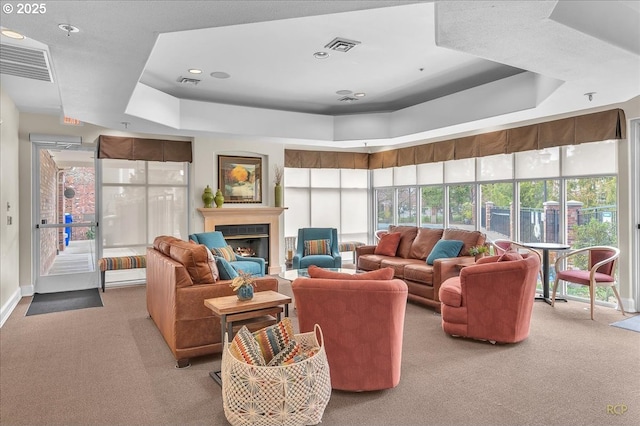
(594,127)
(301,159)
(126,148)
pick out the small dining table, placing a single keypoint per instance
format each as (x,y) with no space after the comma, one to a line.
(546,248)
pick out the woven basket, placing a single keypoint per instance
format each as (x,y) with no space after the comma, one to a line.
(294,394)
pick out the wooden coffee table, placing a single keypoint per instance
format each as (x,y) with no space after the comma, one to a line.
(230,309)
(263,308)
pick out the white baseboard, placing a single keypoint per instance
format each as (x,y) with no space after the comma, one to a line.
(629,305)
(28,290)
(8,307)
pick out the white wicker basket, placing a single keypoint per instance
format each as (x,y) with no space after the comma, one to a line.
(294,394)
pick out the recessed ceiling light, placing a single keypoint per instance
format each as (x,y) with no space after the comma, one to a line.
(321,55)
(344,92)
(360,95)
(220,74)
(12,34)
(195,71)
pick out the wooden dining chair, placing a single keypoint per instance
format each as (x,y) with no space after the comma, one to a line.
(600,272)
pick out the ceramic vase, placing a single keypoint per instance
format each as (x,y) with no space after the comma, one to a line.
(277,192)
(245,292)
(207,197)
(219,199)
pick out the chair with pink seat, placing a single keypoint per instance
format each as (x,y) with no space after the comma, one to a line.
(600,272)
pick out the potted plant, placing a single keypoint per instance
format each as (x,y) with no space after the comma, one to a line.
(478,251)
(243,284)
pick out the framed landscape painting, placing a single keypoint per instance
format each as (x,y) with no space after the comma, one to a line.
(240,179)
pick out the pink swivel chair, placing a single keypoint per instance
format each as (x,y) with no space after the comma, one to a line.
(362,323)
(491,300)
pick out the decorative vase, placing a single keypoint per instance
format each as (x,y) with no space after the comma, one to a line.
(277,191)
(207,197)
(219,199)
(245,292)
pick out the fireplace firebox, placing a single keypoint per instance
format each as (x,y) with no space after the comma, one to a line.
(247,240)
(214,217)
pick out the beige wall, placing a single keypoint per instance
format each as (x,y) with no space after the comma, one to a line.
(9,206)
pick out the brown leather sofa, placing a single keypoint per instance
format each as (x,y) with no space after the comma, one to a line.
(409,262)
(179,279)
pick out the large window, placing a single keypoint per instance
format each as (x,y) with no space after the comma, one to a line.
(141,200)
(560,194)
(328,198)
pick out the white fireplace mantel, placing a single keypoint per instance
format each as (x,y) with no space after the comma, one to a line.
(247,216)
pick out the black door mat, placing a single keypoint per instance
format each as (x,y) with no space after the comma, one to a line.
(44,303)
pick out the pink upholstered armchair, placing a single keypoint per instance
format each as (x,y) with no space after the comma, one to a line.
(491,300)
(362,322)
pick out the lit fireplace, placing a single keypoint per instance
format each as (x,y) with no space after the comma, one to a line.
(250,217)
(247,240)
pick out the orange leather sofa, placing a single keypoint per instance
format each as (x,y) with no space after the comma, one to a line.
(179,279)
(491,300)
(362,322)
(409,262)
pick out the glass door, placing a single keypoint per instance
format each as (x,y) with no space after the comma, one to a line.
(65,217)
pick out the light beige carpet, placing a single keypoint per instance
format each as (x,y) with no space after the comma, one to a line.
(110,366)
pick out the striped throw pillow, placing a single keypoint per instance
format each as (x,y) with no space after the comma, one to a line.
(286,355)
(273,339)
(244,347)
(317,247)
(226,253)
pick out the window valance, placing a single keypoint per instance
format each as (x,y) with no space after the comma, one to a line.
(128,148)
(593,127)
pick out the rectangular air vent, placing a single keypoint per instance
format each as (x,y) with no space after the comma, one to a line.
(348,99)
(26,63)
(186,80)
(341,44)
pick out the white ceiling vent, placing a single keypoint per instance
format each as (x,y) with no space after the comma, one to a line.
(341,44)
(348,99)
(187,80)
(26,63)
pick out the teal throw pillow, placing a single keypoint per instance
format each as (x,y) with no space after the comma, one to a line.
(443,249)
(225,269)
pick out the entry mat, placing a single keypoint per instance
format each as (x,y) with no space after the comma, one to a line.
(44,303)
(632,323)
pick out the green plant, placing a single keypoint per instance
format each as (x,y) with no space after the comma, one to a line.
(476,250)
(90,234)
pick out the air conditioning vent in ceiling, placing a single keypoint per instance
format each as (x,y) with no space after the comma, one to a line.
(348,99)
(26,63)
(186,80)
(341,44)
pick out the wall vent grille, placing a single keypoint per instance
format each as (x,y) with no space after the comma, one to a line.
(348,99)
(26,63)
(186,80)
